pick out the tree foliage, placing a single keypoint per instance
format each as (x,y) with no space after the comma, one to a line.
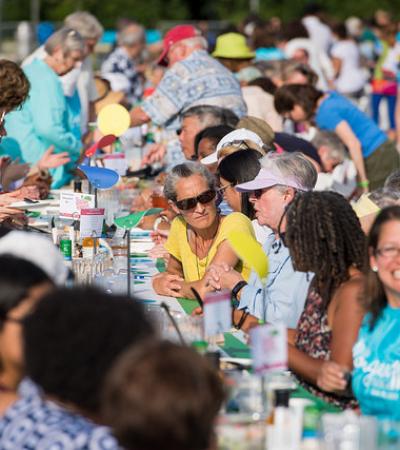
(150,12)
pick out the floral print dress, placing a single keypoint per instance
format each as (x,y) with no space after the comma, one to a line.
(314,338)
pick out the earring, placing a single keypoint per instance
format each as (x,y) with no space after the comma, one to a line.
(374,269)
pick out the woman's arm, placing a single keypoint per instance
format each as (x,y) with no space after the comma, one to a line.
(337,65)
(169,282)
(346,322)
(346,134)
(224,256)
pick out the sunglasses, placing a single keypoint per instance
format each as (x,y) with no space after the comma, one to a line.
(190,203)
(258,193)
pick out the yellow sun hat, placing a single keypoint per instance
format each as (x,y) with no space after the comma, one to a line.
(232,46)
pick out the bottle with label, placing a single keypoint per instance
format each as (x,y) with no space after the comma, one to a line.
(88,247)
(66,248)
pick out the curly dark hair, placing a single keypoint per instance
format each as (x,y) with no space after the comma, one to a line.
(375,298)
(72,339)
(14,85)
(324,236)
(304,95)
(162,396)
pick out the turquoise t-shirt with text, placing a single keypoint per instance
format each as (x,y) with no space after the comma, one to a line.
(376,358)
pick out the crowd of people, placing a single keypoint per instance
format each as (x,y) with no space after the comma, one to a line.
(271,129)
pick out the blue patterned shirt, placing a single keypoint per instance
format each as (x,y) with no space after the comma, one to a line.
(33,423)
(120,71)
(197,80)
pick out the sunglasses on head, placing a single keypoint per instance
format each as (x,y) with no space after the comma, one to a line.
(190,203)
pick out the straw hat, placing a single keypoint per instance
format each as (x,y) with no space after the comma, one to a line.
(259,127)
(232,46)
(106,95)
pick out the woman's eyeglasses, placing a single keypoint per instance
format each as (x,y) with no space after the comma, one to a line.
(222,189)
(388,252)
(190,203)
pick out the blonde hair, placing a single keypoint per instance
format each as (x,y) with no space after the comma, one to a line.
(245,145)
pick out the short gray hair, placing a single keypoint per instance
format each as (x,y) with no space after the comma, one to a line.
(293,166)
(332,141)
(211,116)
(197,41)
(392,182)
(131,34)
(68,39)
(85,24)
(384,197)
(186,170)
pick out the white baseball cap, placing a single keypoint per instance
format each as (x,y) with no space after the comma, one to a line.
(38,250)
(240,135)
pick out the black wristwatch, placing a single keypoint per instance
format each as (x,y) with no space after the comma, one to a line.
(236,289)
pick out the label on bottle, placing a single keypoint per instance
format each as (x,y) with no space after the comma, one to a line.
(66,249)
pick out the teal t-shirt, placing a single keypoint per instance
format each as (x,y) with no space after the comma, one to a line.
(376,358)
(43,120)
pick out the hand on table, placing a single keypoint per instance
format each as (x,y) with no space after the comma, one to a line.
(12,216)
(222,276)
(331,377)
(158,251)
(167,284)
(12,171)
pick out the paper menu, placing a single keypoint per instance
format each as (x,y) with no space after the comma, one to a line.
(71,204)
(91,222)
(217,313)
(269,348)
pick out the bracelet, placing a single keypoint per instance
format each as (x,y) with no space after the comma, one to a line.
(236,289)
(363,184)
(242,320)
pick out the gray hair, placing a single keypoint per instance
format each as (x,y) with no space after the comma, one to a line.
(68,39)
(293,166)
(186,170)
(332,141)
(131,34)
(392,182)
(384,197)
(211,116)
(197,41)
(85,24)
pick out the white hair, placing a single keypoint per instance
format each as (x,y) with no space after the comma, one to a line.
(85,24)
(294,166)
(68,39)
(197,41)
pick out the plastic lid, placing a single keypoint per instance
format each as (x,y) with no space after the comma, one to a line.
(282,397)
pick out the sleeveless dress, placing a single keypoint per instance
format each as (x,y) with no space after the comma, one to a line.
(314,338)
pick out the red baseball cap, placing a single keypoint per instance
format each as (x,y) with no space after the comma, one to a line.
(175,35)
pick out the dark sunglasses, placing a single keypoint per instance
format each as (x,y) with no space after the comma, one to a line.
(258,193)
(190,203)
